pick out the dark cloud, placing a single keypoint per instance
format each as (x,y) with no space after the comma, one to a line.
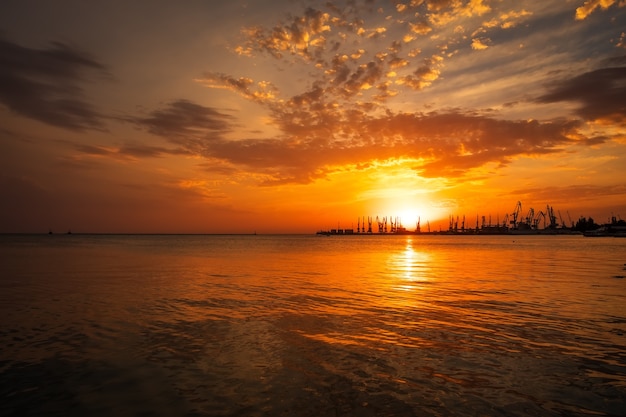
(362,78)
(187,124)
(143,151)
(600,92)
(43,84)
(129,151)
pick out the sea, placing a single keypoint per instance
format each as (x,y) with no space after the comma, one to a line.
(307,325)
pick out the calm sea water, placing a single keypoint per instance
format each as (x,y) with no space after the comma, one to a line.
(312,326)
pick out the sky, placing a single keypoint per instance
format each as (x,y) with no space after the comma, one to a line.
(284,116)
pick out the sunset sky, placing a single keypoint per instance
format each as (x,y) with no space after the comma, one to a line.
(294,116)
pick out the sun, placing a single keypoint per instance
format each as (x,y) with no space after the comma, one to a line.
(394,191)
(409,217)
(410,210)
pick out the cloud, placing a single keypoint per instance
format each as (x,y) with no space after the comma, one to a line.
(621,43)
(505,20)
(420,28)
(586,9)
(187,124)
(479,44)
(424,75)
(128,151)
(350,65)
(318,139)
(246,87)
(452,143)
(601,95)
(43,84)
(144,151)
(302,36)
(443,12)
(327,39)
(476,8)
(341,120)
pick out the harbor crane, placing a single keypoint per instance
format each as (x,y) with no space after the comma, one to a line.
(382,224)
(530,216)
(516,213)
(570,219)
(540,215)
(551,217)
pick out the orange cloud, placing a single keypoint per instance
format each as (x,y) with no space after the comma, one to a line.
(319,139)
(420,28)
(479,44)
(586,9)
(424,75)
(302,37)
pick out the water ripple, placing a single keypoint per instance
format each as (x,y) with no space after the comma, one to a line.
(296,325)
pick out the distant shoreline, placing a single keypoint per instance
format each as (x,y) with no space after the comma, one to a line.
(135,234)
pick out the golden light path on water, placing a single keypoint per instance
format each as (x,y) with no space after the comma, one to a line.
(411,266)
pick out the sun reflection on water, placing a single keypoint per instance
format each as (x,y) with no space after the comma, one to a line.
(411,266)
